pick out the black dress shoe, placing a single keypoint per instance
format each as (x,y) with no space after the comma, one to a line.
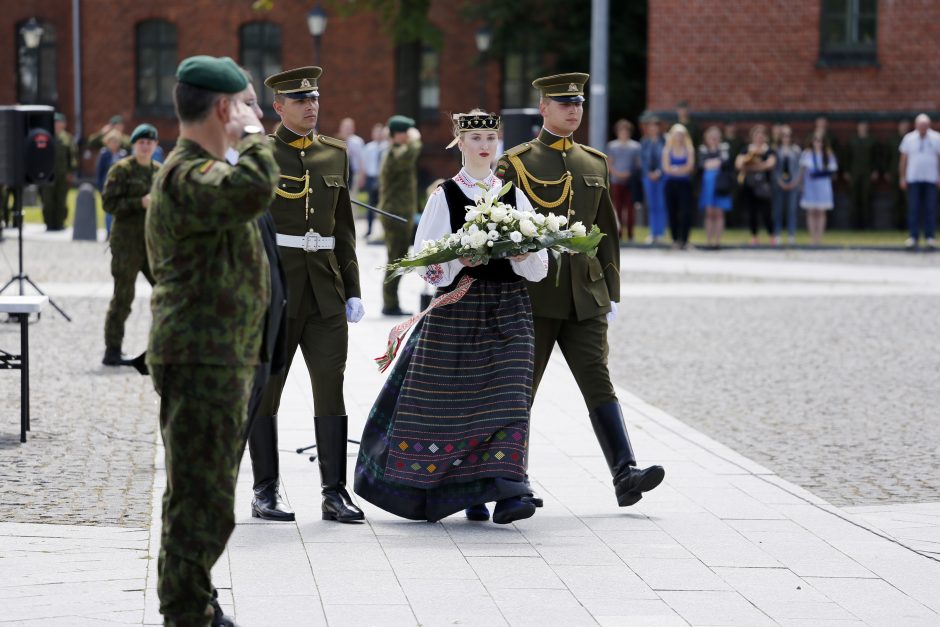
(114,357)
(394,311)
(633,482)
(512,509)
(218,618)
(339,507)
(267,505)
(478,512)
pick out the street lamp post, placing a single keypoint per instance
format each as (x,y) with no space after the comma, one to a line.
(31,32)
(483,38)
(316,23)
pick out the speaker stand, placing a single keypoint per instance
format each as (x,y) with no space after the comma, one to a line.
(20,277)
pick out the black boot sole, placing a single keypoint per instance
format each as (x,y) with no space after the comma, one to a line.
(343,519)
(652,480)
(535,500)
(278,516)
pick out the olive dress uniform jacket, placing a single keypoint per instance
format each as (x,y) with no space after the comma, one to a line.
(312,196)
(586,285)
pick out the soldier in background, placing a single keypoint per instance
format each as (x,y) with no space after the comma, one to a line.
(209,303)
(560,176)
(398,194)
(96,140)
(126,198)
(316,237)
(54,209)
(860,172)
(892,157)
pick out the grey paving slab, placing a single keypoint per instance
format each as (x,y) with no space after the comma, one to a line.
(370,616)
(875,601)
(541,607)
(715,608)
(675,573)
(504,573)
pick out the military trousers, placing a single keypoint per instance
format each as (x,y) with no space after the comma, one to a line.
(324,343)
(861,200)
(54,210)
(584,346)
(203,410)
(128,257)
(397,240)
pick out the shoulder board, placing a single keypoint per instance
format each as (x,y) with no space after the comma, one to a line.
(332,141)
(594,151)
(518,150)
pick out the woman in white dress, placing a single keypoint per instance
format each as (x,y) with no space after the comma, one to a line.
(449,429)
(817,166)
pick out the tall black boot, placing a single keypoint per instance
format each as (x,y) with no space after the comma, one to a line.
(262,444)
(331,455)
(629,481)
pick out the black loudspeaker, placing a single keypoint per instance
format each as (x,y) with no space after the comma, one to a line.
(27,145)
(520,126)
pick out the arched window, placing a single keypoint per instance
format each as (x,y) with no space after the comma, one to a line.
(36,63)
(260,54)
(156,67)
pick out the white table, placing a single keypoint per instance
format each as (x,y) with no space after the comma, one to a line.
(20,307)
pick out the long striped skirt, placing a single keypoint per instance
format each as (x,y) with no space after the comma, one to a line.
(450,426)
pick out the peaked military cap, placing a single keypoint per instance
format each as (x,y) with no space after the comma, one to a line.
(144,131)
(400,123)
(216,74)
(299,83)
(59,117)
(562,87)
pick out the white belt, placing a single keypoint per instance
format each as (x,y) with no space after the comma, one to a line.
(309,242)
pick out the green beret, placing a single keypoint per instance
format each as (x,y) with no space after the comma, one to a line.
(144,131)
(400,123)
(116,119)
(562,87)
(59,117)
(216,74)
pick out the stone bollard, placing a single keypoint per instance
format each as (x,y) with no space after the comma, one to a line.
(85,220)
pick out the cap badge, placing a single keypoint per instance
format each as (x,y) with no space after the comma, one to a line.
(305,83)
(572,87)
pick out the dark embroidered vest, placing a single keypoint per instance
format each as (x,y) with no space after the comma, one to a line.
(498,270)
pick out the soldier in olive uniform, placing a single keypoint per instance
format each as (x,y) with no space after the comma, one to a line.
(209,303)
(96,140)
(398,194)
(316,237)
(561,176)
(860,171)
(126,197)
(54,210)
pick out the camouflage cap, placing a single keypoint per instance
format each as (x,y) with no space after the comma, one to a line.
(562,87)
(144,131)
(400,123)
(299,83)
(216,74)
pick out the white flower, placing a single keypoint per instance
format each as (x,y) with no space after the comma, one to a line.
(515,236)
(465,240)
(473,229)
(494,235)
(527,227)
(471,215)
(490,225)
(516,214)
(578,228)
(552,223)
(498,214)
(490,244)
(478,239)
(538,218)
(563,220)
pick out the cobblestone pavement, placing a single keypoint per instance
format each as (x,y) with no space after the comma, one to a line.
(89,457)
(837,394)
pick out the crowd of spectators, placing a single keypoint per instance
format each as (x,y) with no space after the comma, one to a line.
(768,177)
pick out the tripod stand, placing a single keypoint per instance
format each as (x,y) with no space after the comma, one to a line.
(313,458)
(19,276)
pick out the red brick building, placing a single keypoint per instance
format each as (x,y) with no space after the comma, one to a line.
(129,50)
(791,60)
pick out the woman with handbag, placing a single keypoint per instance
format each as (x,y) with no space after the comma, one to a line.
(754,166)
(717,184)
(818,166)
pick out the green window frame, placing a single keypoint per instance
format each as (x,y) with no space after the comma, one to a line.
(156,67)
(260,53)
(848,33)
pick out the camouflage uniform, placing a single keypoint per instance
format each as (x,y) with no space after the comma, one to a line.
(398,194)
(127,183)
(209,304)
(54,211)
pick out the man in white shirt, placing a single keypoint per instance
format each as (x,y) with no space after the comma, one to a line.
(919,175)
(372,155)
(354,146)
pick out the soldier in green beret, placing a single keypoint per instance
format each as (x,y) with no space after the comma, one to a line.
(209,303)
(126,197)
(54,210)
(561,176)
(316,237)
(96,140)
(398,195)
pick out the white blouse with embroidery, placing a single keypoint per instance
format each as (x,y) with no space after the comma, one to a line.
(435,224)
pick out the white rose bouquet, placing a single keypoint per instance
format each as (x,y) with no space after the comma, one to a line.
(495,230)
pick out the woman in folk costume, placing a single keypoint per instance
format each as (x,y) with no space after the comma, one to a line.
(449,429)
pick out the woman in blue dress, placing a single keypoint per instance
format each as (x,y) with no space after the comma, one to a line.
(714,157)
(818,165)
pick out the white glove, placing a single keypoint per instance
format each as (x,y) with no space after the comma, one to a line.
(354,309)
(612,314)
